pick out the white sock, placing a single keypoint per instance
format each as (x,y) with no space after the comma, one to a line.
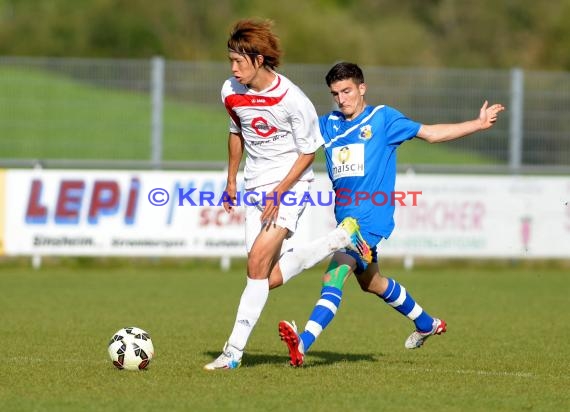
(250,306)
(302,257)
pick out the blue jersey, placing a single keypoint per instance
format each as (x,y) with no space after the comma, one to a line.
(361,161)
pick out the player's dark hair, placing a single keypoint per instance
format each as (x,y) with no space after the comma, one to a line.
(344,71)
(251,38)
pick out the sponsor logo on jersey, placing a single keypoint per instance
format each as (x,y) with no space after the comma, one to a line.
(348,160)
(343,155)
(365,132)
(262,127)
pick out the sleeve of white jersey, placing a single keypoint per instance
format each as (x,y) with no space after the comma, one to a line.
(305,124)
(233,126)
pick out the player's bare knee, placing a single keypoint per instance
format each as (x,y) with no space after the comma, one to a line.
(258,266)
(257,271)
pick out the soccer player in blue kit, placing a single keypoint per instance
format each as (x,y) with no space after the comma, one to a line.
(360,143)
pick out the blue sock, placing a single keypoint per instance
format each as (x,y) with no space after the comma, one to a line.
(322,314)
(396,296)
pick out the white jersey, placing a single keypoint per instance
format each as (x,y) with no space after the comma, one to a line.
(277,124)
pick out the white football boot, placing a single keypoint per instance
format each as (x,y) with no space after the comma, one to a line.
(417,339)
(229,359)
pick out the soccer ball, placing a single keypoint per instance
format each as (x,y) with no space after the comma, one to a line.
(131,348)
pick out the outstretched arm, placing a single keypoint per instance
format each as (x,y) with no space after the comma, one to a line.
(436,133)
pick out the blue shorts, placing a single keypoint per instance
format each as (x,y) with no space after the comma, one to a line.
(373,241)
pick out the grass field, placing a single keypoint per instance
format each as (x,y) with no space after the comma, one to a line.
(506,348)
(49,116)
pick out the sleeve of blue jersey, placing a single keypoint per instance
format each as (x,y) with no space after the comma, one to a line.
(323,127)
(399,128)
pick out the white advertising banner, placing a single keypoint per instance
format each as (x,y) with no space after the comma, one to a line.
(170,213)
(112,213)
(482,216)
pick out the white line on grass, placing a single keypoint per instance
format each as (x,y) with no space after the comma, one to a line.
(29,359)
(468,372)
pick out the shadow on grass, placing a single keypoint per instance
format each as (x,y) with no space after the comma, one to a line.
(313,359)
(322,358)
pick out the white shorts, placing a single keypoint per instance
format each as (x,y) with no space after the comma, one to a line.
(290,210)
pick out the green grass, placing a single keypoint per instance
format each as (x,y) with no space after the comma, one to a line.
(505,349)
(49,116)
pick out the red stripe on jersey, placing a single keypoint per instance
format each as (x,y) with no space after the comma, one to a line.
(233,115)
(246,100)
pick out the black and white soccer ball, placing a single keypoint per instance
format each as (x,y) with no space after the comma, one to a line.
(131,349)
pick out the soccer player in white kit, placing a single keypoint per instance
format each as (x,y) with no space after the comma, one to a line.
(277,125)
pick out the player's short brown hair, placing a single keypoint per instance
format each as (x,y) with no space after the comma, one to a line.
(253,37)
(344,71)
